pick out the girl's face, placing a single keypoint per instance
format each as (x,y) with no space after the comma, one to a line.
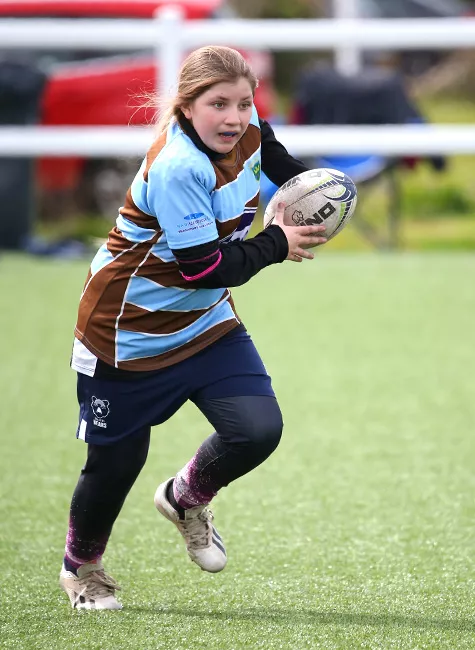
(222,114)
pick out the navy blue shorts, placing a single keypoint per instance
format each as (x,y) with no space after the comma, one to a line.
(111,409)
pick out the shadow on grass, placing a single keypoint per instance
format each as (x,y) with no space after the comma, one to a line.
(298,616)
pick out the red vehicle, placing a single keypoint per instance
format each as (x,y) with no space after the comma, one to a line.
(98,88)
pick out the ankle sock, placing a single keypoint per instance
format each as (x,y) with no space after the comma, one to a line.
(173,501)
(70,565)
(74,565)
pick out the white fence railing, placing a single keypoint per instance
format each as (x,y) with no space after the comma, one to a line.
(275,34)
(171,37)
(105,142)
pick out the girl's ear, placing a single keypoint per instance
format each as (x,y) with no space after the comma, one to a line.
(186,112)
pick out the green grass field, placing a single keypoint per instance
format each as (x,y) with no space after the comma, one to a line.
(357,533)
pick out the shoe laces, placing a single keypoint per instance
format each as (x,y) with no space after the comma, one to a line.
(98,584)
(197,529)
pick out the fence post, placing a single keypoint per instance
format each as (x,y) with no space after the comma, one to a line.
(348,60)
(169,49)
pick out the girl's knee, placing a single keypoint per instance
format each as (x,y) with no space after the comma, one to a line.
(266,429)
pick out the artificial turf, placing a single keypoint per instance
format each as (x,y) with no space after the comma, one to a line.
(357,533)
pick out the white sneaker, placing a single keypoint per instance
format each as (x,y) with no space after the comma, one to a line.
(204,545)
(92,588)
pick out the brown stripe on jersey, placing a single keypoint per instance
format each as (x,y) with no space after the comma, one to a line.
(131,212)
(153,152)
(136,319)
(102,300)
(180,354)
(164,273)
(231,302)
(117,243)
(254,202)
(226,228)
(250,141)
(228,168)
(89,276)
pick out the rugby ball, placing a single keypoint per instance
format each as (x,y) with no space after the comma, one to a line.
(314,197)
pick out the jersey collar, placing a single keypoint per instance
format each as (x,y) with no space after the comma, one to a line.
(190,131)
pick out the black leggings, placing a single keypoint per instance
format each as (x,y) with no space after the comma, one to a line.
(248,430)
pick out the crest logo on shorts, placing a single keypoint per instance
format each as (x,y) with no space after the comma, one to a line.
(100,408)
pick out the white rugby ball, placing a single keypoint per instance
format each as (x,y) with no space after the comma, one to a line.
(314,197)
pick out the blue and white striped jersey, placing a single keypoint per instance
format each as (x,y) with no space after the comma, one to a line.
(137,311)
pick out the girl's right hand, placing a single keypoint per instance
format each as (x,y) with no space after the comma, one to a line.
(299,238)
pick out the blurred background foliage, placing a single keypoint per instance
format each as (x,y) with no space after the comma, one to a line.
(285,62)
(438,209)
(281,9)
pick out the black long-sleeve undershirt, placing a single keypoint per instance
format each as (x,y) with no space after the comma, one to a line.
(236,262)
(277,164)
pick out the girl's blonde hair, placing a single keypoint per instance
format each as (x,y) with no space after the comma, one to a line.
(202,69)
